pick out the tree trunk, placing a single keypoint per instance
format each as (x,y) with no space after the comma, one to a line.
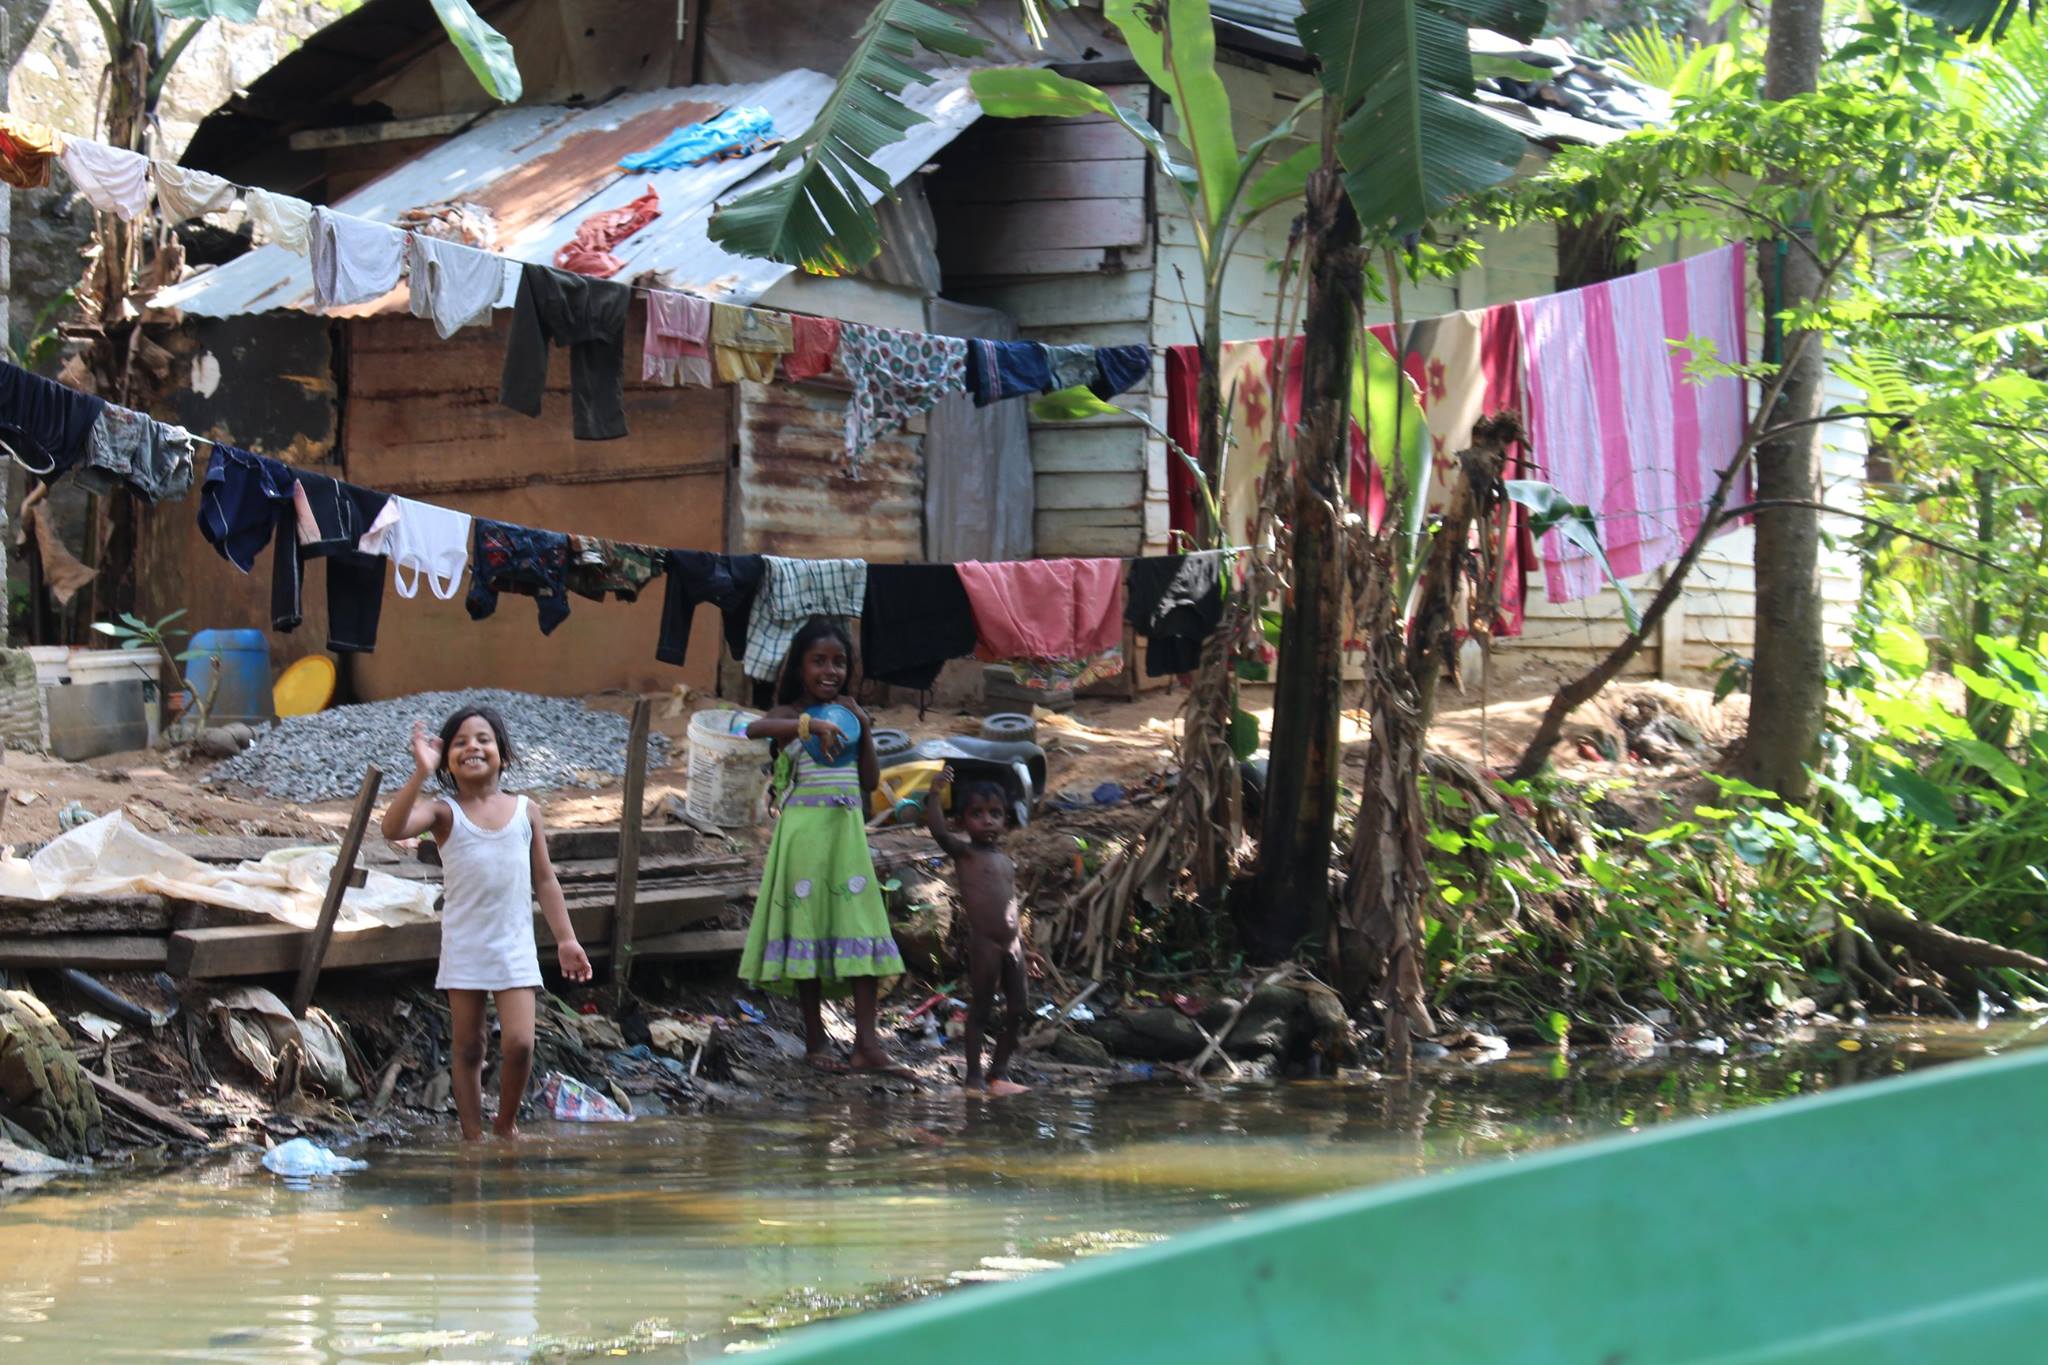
(1300,814)
(1788,690)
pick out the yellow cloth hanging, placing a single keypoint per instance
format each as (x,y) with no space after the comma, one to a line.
(26,151)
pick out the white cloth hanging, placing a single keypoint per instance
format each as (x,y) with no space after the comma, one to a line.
(455,285)
(112,179)
(182,192)
(354,259)
(279,220)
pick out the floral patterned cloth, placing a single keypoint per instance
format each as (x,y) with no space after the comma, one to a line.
(895,376)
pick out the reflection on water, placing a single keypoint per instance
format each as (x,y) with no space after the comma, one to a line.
(672,1238)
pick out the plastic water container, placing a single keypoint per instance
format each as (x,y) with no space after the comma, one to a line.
(244,693)
(728,771)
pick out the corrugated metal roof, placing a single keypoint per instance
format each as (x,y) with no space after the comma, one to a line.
(543,170)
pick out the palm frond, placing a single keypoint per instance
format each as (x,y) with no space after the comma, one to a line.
(820,215)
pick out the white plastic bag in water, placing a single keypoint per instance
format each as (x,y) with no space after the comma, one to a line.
(302,1157)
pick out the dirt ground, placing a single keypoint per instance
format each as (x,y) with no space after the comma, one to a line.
(1099,742)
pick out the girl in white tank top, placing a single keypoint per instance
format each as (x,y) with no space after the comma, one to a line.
(494,863)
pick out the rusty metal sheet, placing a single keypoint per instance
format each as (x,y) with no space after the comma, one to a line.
(543,170)
(793,498)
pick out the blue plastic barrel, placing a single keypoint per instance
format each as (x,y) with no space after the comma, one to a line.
(244,693)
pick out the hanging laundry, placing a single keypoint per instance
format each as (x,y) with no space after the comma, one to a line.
(63,574)
(340,514)
(354,259)
(587,315)
(1118,368)
(47,425)
(735,130)
(279,220)
(1250,373)
(589,252)
(135,451)
(673,350)
(598,568)
(112,179)
(1006,369)
(980,494)
(456,286)
(728,582)
(26,151)
(813,344)
(182,192)
(1176,603)
(242,501)
(1058,623)
(432,542)
(917,617)
(1467,366)
(519,559)
(1071,366)
(745,342)
(895,376)
(792,592)
(1615,424)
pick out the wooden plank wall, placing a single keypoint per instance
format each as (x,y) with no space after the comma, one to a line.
(421,417)
(1047,220)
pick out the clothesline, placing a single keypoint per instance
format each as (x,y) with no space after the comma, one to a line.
(199,194)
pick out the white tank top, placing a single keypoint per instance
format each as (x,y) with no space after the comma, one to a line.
(487,905)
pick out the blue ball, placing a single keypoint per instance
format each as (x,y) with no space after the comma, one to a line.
(849,728)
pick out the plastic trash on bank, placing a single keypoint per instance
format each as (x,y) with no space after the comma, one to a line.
(571,1101)
(302,1159)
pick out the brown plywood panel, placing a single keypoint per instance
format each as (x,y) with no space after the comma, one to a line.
(1043,224)
(423,416)
(991,182)
(426,644)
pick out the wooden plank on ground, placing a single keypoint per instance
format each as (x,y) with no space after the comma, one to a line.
(695,944)
(145,1107)
(602,842)
(140,914)
(264,949)
(87,952)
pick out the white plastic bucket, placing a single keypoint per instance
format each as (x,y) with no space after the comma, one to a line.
(728,771)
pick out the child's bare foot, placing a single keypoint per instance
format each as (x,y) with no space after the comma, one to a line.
(824,1061)
(1007,1088)
(505,1130)
(875,1060)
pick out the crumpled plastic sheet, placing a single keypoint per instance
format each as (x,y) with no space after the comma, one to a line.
(110,857)
(257,1025)
(571,1101)
(302,1158)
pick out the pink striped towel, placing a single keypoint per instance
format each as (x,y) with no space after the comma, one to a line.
(1615,424)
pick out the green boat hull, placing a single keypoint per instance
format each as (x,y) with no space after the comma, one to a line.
(1898,1221)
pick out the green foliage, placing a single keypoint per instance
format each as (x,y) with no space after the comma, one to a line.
(484,50)
(1551,510)
(1174,43)
(1398,75)
(818,214)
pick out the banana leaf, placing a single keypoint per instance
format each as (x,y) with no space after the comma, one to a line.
(818,215)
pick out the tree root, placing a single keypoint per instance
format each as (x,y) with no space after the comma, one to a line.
(1939,948)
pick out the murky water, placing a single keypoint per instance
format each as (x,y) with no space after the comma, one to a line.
(672,1239)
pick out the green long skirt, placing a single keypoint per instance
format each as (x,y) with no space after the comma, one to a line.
(820,915)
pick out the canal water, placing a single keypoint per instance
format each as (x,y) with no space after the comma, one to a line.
(688,1238)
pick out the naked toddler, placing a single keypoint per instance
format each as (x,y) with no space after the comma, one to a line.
(988,896)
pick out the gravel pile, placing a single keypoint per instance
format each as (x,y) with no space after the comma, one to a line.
(559,742)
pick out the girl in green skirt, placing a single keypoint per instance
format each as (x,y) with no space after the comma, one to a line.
(819,925)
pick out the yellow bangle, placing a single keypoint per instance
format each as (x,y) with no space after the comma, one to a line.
(803,727)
